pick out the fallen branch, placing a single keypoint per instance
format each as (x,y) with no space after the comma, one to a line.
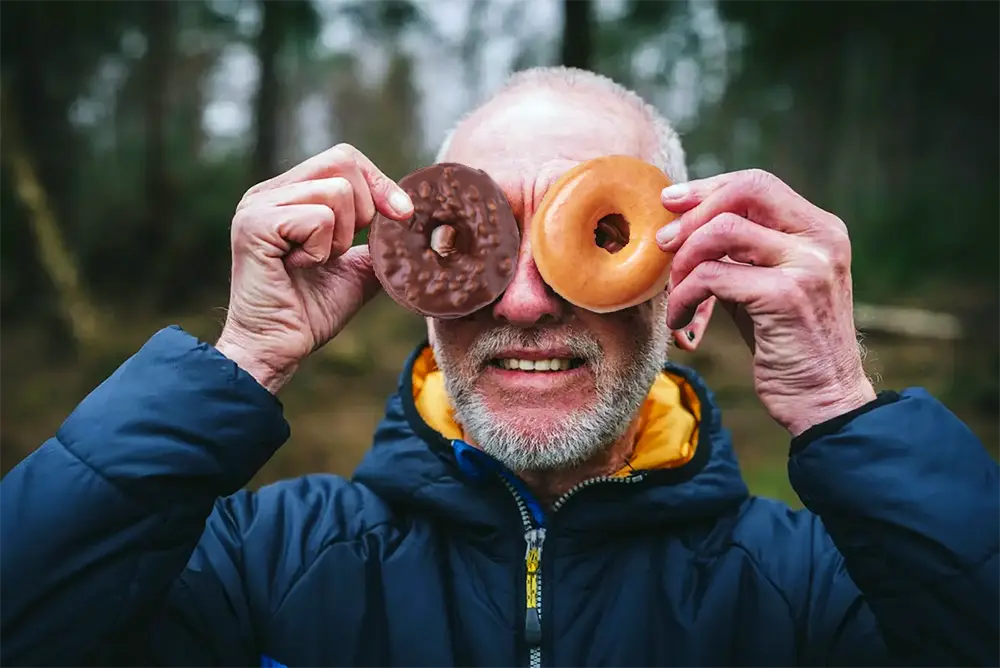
(909,322)
(81,315)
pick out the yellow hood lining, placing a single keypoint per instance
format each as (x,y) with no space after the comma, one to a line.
(668,426)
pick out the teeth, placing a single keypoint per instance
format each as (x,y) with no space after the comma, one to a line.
(535,365)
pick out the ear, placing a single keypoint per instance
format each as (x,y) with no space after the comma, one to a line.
(689,337)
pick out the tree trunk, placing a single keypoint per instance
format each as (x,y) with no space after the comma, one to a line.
(577,33)
(160,18)
(159,32)
(265,155)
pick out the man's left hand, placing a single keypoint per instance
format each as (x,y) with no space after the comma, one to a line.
(760,248)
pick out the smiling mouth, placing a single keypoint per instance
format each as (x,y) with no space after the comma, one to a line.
(550,365)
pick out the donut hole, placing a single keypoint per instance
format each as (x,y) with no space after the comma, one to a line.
(612,232)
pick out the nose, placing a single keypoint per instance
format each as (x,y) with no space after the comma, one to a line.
(528,300)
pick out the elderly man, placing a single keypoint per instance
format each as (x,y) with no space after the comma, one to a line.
(593,517)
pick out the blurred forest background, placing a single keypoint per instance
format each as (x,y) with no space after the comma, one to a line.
(131,129)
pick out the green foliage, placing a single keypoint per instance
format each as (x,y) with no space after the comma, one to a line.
(876,111)
(649,15)
(386,18)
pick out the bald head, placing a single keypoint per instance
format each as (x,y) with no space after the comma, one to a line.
(558,105)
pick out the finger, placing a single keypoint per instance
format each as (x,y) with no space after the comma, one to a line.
(337,194)
(729,235)
(362,207)
(752,194)
(328,163)
(356,269)
(345,160)
(332,192)
(736,283)
(308,235)
(351,281)
(328,192)
(390,200)
(346,222)
(680,197)
(278,230)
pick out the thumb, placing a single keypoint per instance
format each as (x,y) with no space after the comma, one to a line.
(355,281)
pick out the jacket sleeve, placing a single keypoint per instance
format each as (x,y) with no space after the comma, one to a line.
(98,523)
(910,501)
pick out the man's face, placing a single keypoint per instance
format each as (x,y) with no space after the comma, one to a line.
(536,382)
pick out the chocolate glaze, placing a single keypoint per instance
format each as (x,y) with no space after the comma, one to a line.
(456,253)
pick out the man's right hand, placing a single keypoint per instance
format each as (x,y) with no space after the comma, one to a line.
(296,280)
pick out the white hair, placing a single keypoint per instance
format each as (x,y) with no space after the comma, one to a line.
(669,154)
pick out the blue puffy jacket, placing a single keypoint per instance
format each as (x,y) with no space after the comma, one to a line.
(126,539)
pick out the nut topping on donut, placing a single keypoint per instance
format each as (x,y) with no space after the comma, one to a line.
(454,255)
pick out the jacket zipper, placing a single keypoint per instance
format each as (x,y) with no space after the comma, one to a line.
(534,540)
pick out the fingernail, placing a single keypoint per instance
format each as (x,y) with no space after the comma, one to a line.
(668,233)
(676,191)
(400,202)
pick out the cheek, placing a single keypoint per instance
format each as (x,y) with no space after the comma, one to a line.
(621,334)
(619,328)
(638,323)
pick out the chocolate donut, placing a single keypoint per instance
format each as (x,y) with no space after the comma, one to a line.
(456,253)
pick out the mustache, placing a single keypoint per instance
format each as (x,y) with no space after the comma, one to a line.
(491,343)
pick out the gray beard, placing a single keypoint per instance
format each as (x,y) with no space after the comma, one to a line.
(583,433)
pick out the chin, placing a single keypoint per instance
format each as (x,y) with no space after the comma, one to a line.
(540,435)
(535,411)
(531,444)
(536,423)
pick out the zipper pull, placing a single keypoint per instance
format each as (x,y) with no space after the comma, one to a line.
(534,540)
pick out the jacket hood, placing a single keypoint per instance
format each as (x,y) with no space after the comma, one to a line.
(683,468)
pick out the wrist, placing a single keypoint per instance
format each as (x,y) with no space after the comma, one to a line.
(270,376)
(833,426)
(831,405)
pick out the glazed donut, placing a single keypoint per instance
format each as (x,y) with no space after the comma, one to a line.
(593,236)
(456,253)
